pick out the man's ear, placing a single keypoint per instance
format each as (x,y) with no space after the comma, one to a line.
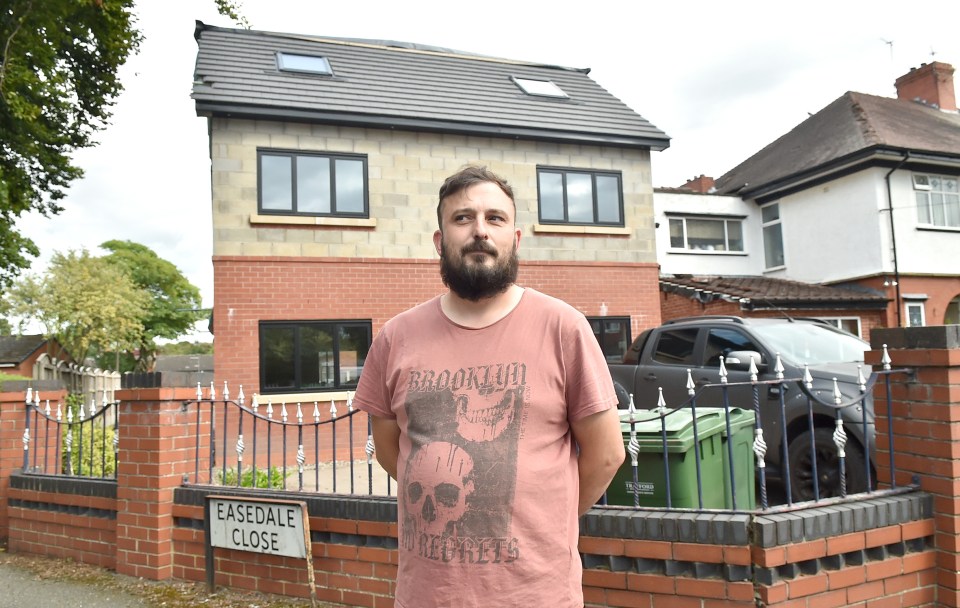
(438,242)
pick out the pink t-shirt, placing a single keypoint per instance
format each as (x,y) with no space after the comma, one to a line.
(488,484)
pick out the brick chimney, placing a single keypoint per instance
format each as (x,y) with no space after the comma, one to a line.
(930,84)
(701,184)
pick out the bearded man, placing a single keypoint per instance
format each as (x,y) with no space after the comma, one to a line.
(493,408)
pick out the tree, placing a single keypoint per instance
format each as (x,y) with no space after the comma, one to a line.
(58,80)
(174,304)
(89,304)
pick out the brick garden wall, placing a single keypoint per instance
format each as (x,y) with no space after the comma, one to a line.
(896,549)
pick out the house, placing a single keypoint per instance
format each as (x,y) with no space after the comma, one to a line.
(326,158)
(711,258)
(864,194)
(32,355)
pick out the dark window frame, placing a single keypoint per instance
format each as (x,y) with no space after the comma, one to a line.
(593,173)
(625,322)
(293,155)
(334,327)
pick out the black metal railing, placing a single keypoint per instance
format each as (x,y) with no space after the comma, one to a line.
(282,447)
(71,438)
(825,465)
(326,445)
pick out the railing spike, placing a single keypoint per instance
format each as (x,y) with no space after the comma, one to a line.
(885,359)
(691,387)
(226,391)
(59,412)
(632,407)
(316,412)
(723,371)
(47,409)
(255,404)
(299,414)
(199,392)
(29,395)
(778,368)
(753,370)
(240,396)
(807,376)
(269,409)
(661,402)
(213,392)
(837,395)
(861,380)
(283,411)
(349,401)
(333,409)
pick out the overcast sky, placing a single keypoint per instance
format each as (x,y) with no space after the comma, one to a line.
(722,79)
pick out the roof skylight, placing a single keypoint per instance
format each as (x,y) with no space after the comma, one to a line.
(542,88)
(307,64)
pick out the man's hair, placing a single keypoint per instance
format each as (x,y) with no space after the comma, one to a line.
(471,175)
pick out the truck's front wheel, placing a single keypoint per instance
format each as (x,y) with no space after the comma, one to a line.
(828,466)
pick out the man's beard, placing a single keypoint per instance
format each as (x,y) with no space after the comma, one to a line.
(477,281)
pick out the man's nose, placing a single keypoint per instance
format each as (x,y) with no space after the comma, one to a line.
(480,229)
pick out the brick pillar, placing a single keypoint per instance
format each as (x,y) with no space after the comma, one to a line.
(12,424)
(11,450)
(926,425)
(157,448)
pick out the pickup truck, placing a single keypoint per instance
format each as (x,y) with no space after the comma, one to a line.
(660,359)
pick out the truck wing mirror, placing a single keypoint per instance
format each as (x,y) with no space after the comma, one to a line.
(740,360)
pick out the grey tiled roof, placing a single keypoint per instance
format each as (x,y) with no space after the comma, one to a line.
(854,124)
(400,85)
(16,349)
(766,292)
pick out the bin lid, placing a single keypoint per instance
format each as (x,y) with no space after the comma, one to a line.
(678,425)
(739,418)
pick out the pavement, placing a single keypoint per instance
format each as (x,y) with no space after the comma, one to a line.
(23,588)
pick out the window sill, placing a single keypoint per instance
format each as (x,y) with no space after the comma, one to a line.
(597,230)
(312,220)
(705,252)
(935,228)
(305,398)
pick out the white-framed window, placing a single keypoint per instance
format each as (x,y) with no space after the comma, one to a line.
(938,200)
(848,324)
(772,236)
(539,88)
(706,234)
(305,183)
(914,313)
(578,196)
(305,64)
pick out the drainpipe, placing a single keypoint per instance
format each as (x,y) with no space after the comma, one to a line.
(893,239)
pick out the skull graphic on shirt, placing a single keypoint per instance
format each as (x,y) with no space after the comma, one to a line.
(438,484)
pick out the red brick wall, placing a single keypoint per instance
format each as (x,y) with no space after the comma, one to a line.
(250,289)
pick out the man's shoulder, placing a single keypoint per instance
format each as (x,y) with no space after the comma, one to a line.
(423,312)
(544,303)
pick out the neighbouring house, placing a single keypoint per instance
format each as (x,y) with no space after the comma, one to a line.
(711,255)
(327,155)
(864,194)
(45,362)
(33,356)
